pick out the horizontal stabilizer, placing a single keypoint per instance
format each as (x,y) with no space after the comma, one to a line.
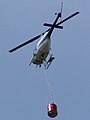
(50,25)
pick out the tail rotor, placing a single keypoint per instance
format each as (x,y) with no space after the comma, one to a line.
(60,13)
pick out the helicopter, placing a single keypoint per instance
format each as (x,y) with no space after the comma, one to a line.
(42,50)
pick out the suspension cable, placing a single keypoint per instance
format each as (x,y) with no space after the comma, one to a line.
(49,86)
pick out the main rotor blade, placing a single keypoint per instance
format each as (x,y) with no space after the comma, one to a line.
(35,38)
(50,25)
(67,18)
(25,43)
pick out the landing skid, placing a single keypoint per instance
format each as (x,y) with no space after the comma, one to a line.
(48,63)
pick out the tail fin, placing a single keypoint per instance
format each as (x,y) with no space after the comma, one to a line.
(60,10)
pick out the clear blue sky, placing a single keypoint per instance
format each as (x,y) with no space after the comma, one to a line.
(23,89)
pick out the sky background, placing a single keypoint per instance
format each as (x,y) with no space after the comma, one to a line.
(23,89)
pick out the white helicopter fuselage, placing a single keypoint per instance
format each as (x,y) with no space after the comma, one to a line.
(42,50)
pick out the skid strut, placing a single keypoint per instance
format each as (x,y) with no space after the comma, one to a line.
(48,63)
